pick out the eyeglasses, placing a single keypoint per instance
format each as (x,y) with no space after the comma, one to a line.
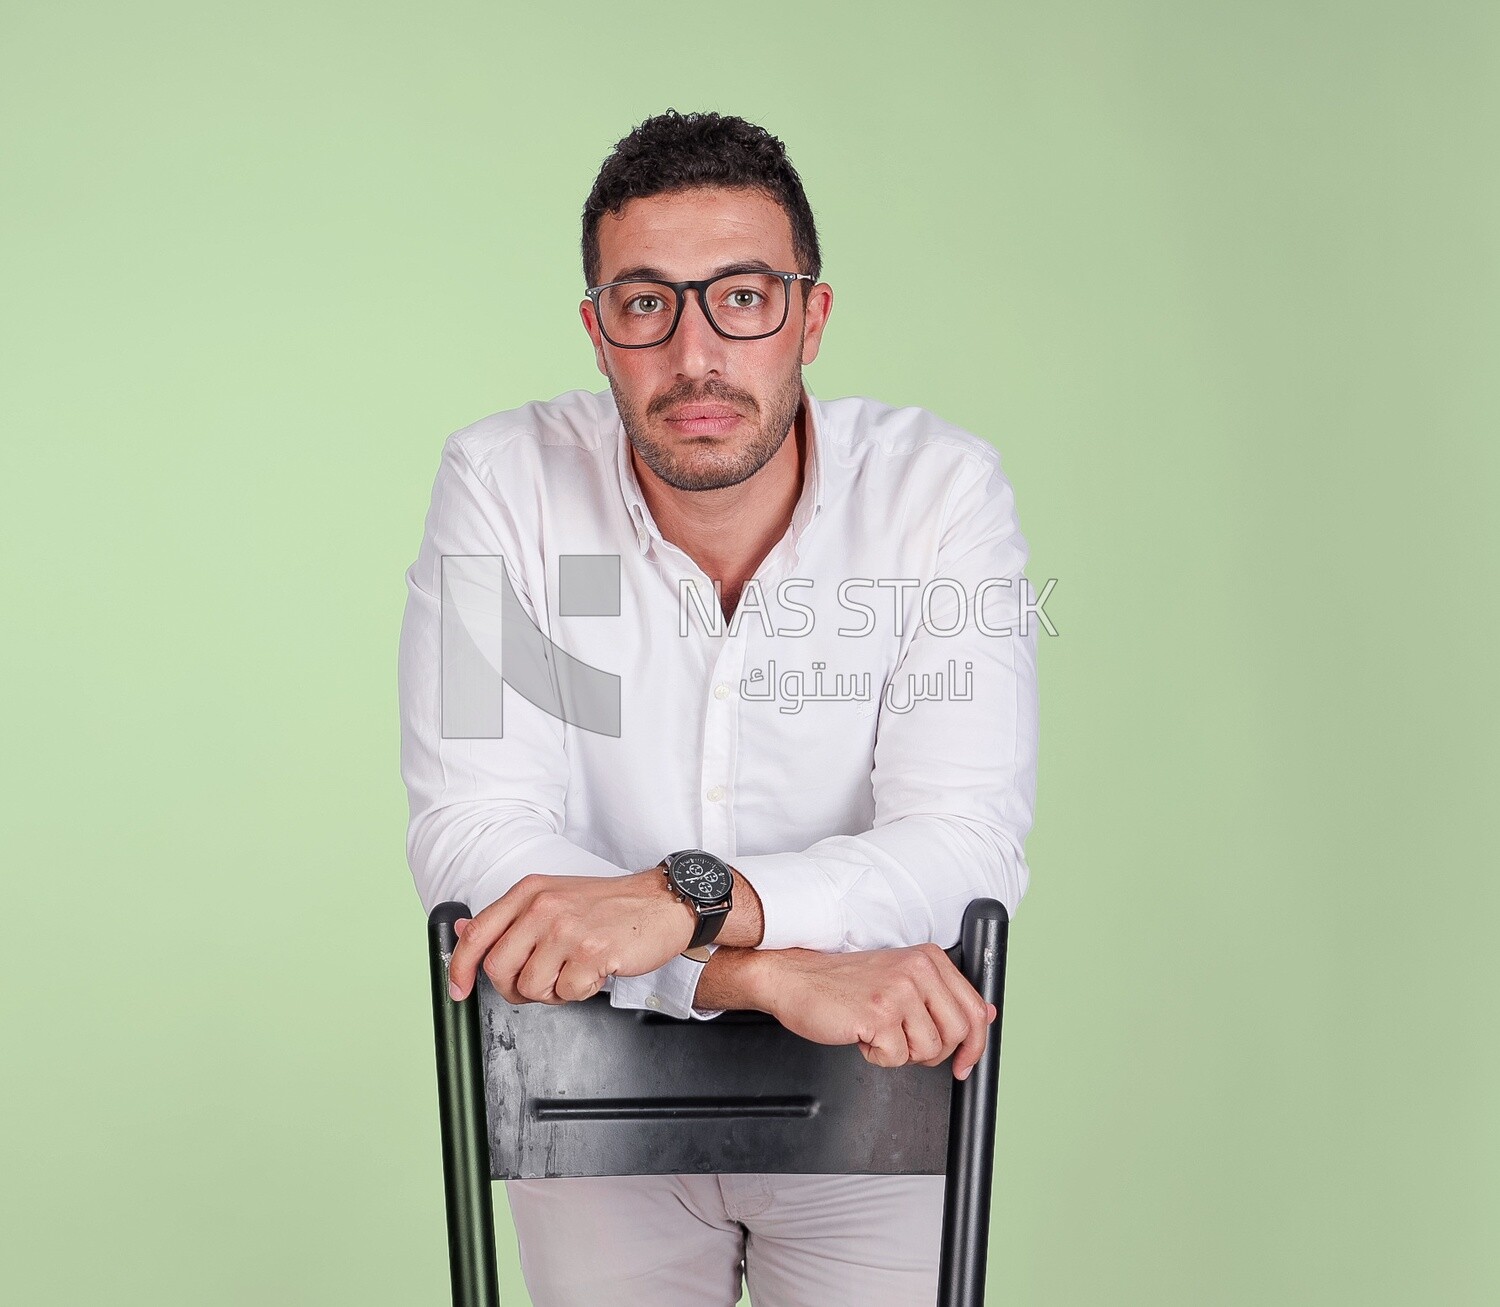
(637,313)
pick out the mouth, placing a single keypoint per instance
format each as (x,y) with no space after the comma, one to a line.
(702,419)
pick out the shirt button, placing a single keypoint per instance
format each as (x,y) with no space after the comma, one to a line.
(715,794)
(653,1001)
(721,691)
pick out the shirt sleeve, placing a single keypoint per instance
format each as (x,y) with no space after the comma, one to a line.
(485,812)
(672,986)
(954,779)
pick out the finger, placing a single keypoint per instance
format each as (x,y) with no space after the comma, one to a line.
(950,1019)
(923,1042)
(481,934)
(458,929)
(505,962)
(884,1043)
(537,978)
(576,981)
(977,1016)
(972,1048)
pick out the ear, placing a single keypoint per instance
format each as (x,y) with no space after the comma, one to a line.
(819,306)
(591,325)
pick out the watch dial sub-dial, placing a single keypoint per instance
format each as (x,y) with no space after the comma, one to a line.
(708,882)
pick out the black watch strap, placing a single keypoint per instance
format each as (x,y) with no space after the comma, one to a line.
(710,922)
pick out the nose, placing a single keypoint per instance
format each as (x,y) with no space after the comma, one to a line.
(696,348)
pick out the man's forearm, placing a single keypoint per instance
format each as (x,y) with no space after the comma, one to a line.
(734,976)
(737,978)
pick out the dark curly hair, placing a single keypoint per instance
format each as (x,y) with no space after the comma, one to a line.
(673,152)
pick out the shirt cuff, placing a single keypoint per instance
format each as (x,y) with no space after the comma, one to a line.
(669,989)
(798,908)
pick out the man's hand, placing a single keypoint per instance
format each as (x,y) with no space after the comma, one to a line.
(899,1005)
(554,939)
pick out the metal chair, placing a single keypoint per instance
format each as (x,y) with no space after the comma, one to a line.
(590,1089)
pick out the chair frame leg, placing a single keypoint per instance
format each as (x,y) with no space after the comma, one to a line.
(971,1132)
(467,1184)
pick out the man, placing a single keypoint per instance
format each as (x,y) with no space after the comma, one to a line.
(823,744)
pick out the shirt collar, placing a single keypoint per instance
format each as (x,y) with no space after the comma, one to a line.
(814,476)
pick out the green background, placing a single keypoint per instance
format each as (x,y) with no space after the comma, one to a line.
(1219,281)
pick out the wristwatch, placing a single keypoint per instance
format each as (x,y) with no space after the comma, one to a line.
(704,881)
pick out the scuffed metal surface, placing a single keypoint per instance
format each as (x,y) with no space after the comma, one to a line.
(866,1119)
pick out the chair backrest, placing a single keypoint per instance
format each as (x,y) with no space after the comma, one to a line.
(586,1088)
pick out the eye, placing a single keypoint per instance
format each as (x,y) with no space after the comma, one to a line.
(744,297)
(643,304)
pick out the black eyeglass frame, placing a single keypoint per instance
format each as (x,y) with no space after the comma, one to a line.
(680,289)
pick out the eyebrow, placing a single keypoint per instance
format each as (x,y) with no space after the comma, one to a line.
(656,274)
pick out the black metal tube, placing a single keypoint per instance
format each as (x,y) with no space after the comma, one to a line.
(971,1131)
(466,1144)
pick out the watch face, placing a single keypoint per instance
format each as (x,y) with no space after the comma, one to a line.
(702,876)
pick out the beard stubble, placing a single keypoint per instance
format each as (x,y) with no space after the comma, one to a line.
(691,469)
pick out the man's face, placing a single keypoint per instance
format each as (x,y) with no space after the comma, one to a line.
(701,411)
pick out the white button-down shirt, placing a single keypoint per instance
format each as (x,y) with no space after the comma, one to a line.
(859,740)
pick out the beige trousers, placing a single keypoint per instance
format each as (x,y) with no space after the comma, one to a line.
(685,1240)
